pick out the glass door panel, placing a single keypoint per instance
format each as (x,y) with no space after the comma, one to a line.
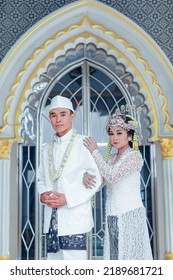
(95,94)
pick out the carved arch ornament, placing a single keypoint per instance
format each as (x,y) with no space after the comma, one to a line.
(38,60)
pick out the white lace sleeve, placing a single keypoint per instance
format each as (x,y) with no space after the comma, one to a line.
(115,172)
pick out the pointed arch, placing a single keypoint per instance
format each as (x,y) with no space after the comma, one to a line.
(41,45)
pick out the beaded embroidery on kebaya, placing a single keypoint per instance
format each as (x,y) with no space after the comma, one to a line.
(116,172)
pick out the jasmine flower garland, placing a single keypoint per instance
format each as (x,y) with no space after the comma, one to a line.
(108,151)
(55,174)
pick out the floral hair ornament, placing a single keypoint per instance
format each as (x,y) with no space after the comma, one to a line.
(119,119)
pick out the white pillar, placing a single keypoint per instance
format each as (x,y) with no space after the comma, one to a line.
(168,203)
(4,208)
(167,163)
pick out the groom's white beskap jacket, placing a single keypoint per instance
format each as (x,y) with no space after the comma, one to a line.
(76,216)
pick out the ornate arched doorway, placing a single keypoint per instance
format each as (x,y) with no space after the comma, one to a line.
(96,84)
(99,68)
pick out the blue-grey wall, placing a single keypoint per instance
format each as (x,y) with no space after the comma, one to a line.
(154,16)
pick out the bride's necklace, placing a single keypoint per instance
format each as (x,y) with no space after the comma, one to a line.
(55,174)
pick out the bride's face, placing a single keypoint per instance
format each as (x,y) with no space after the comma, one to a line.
(119,137)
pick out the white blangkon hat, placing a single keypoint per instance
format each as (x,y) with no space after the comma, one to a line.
(61,102)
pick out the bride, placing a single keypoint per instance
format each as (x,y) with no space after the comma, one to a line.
(126,235)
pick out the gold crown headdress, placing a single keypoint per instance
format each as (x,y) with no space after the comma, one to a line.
(119,119)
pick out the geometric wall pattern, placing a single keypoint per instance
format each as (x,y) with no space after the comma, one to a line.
(154,16)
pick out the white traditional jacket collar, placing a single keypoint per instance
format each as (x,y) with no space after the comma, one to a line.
(64,138)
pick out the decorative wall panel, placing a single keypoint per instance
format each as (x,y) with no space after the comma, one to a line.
(155,17)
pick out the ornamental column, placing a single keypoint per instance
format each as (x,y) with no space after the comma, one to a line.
(167,163)
(5,147)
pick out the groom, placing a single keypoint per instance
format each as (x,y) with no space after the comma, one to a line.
(68,212)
